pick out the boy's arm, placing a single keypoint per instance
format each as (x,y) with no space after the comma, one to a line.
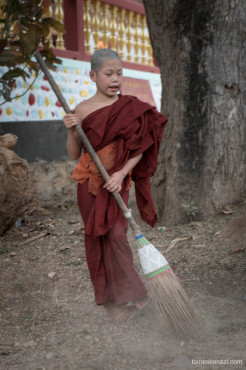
(74,144)
(116,179)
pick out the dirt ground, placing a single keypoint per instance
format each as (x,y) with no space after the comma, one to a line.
(49,320)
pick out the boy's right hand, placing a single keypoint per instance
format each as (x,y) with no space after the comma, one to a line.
(70,120)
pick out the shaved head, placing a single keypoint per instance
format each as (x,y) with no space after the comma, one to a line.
(100,56)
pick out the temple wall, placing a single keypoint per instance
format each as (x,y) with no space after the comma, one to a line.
(40,103)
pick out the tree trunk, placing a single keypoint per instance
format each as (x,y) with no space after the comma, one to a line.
(18,190)
(200,48)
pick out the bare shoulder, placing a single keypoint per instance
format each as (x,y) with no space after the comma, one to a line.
(84,108)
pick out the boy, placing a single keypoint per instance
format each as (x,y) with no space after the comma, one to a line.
(126,135)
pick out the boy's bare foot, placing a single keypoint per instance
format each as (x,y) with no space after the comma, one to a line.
(119,313)
(141,303)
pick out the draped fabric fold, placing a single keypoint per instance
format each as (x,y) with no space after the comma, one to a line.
(136,127)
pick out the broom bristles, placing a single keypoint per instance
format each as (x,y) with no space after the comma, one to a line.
(175,309)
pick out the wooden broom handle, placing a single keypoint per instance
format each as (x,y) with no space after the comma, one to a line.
(86,143)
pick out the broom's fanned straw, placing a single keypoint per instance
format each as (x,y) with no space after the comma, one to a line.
(174,307)
(175,310)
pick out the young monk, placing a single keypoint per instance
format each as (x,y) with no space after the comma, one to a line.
(126,133)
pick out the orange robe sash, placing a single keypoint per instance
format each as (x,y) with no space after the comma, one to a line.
(87,170)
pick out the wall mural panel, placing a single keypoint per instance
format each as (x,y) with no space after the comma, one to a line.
(72,77)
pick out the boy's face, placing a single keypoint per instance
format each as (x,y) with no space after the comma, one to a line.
(109,77)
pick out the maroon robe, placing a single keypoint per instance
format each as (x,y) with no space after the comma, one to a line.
(137,127)
(109,257)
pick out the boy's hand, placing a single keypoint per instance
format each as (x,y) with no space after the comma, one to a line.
(114,184)
(71,120)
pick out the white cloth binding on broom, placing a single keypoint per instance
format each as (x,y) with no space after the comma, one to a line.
(151,259)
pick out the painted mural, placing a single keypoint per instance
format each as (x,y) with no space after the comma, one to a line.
(72,77)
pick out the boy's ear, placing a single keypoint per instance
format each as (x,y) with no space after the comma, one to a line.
(93,75)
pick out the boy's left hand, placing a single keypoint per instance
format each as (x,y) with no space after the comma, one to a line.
(114,184)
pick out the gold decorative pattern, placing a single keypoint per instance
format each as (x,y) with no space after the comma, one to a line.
(121,31)
(48,13)
(59,16)
(87,25)
(136,37)
(107,25)
(105,11)
(129,42)
(96,24)
(149,48)
(143,46)
(113,27)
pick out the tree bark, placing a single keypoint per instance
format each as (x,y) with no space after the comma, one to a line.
(201,51)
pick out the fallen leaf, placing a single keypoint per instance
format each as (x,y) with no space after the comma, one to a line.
(217,233)
(50,220)
(238,250)
(227,211)
(43,211)
(64,247)
(175,241)
(51,274)
(12,254)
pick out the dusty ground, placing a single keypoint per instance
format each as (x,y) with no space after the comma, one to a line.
(49,319)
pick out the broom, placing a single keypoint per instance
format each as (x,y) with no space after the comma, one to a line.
(174,308)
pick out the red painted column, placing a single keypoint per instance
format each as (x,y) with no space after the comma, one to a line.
(70,23)
(80,31)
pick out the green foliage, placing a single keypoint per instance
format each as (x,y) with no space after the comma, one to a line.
(22,28)
(191,209)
